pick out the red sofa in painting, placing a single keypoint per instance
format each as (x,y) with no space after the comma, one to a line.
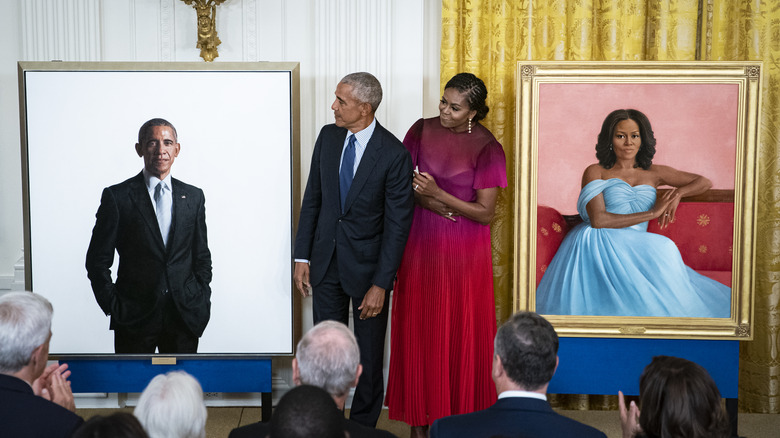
(703,230)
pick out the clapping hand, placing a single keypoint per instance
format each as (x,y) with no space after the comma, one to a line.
(53,385)
(629,417)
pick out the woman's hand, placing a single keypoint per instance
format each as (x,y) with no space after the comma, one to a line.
(425,187)
(425,184)
(437,207)
(665,207)
(629,418)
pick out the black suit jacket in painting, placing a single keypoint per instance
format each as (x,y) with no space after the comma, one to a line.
(369,237)
(126,222)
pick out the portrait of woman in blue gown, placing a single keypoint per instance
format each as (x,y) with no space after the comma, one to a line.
(609,264)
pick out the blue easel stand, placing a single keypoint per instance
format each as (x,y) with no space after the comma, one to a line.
(606,366)
(214,375)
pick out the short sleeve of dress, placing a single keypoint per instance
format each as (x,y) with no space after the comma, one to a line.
(412,140)
(491,167)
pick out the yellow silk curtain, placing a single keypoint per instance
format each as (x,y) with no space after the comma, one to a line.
(488,37)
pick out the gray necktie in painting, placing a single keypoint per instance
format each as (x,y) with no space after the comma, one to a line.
(162,204)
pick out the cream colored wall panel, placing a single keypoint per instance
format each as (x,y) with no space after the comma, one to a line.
(11,229)
(67,30)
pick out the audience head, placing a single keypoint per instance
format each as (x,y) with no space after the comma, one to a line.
(25,331)
(474,90)
(604,152)
(307,411)
(118,425)
(527,347)
(172,406)
(328,357)
(365,88)
(678,398)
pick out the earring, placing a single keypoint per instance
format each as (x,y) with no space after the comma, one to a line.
(610,146)
(469,125)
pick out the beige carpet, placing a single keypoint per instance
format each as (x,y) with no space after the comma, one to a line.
(222,420)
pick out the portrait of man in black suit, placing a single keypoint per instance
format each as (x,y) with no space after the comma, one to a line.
(161,299)
(354,222)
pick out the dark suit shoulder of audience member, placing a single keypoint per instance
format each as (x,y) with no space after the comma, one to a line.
(24,414)
(524,362)
(35,398)
(117,425)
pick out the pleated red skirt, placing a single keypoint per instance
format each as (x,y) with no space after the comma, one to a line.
(442,322)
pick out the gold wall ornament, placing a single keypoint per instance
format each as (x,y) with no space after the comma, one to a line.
(207,27)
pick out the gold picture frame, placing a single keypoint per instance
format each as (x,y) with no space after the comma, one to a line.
(574,97)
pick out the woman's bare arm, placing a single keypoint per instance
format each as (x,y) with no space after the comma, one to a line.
(481,210)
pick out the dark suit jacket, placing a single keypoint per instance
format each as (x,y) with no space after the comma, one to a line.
(24,414)
(370,236)
(126,221)
(356,430)
(513,417)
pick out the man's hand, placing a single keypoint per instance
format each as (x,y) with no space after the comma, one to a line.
(372,303)
(53,385)
(44,380)
(301,278)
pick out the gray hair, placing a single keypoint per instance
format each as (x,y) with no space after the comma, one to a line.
(172,406)
(25,324)
(328,357)
(528,347)
(365,88)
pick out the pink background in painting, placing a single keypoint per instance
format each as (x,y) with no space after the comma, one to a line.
(694,125)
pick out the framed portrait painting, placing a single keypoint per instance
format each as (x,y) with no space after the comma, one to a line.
(635,197)
(237,130)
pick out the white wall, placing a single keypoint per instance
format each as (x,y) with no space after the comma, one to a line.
(397,40)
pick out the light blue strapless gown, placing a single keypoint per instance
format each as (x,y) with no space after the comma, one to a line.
(625,271)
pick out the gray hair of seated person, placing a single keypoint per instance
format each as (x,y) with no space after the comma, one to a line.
(365,88)
(678,398)
(25,324)
(528,347)
(172,406)
(307,411)
(328,357)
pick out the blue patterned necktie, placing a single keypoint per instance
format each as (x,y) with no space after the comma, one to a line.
(347,166)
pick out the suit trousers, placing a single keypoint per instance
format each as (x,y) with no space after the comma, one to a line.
(173,336)
(331,302)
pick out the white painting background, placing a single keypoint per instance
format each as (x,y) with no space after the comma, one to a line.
(234,128)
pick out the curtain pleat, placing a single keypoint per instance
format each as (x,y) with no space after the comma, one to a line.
(750,30)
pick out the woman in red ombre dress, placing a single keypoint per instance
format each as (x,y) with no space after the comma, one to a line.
(443,316)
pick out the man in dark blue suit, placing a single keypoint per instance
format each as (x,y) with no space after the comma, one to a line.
(354,221)
(161,299)
(525,359)
(35,400)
